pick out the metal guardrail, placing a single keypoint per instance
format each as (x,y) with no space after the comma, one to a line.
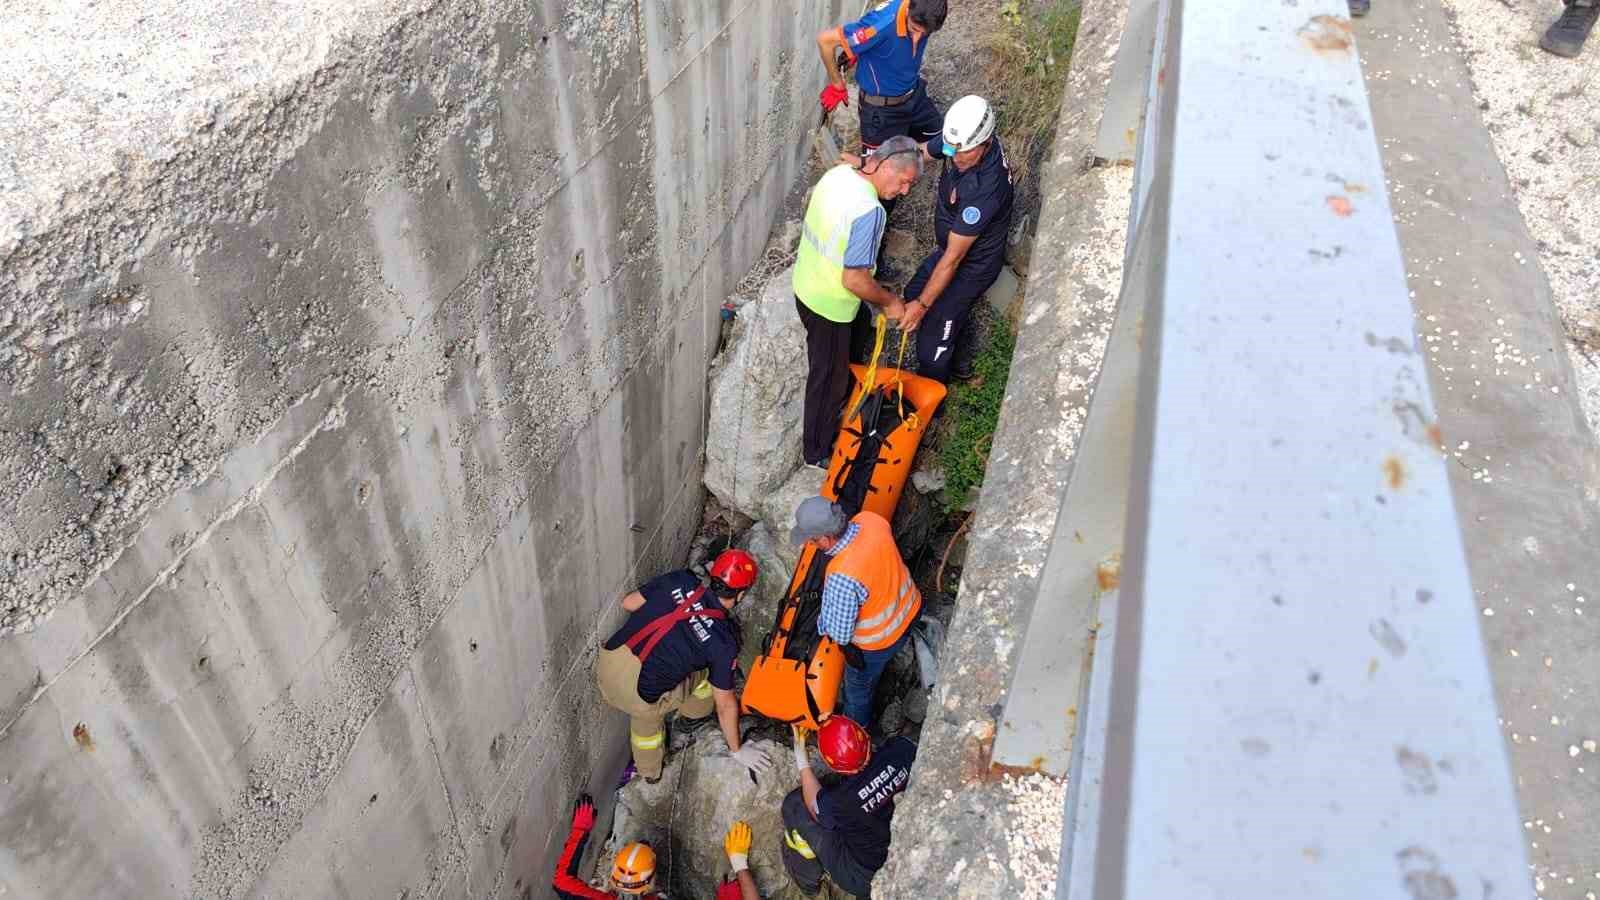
(1287,693)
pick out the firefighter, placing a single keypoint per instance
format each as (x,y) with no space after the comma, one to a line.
(843,831)
(678,652)
(868,598)
(633,871)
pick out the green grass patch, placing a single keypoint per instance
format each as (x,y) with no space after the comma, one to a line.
(971,412)
(1028,56)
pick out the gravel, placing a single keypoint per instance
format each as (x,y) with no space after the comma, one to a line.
(1543,113)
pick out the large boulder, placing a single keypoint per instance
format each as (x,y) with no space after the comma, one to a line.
(757,398)
(686,814)
(758,610)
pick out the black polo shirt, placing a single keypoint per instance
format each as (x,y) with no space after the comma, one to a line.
(861,806)
(976,202)
(693,644)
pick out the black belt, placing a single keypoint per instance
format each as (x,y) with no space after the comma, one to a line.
(875,100)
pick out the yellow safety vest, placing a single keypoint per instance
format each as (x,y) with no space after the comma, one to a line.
(840,198)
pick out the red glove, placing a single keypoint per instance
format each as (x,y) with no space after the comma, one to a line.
(832,96)
(728,890)
(583,813)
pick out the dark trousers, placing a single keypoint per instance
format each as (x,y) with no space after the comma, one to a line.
(941,329)
(829,854)
(861,684)
(829,348)
(919,118)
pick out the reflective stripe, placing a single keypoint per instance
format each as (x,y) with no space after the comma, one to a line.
(703,689)
(834,254)
(646,741)
(798,844)
(875,621)
(902,613)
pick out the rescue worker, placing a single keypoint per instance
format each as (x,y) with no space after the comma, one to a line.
(633,871)
(843,831)
(971,223)
(677,652)
(868,598)
(742,886)
(833,274)
(886,45)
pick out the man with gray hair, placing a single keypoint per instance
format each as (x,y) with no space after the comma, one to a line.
(833,274)
(868,598)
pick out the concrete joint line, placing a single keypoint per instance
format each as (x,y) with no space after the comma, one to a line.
(438,764)
(332,420)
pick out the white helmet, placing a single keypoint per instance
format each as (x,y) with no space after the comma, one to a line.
(968,123)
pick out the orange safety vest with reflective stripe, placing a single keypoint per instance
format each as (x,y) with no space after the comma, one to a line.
(892,597)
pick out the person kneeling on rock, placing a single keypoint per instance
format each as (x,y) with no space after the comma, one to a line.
(677,652)
(843,831)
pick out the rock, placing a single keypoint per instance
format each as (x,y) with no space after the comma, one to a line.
(758,611)
(1019,245)
(685,815)
(926,481)
(899,244)
(777,508)
(1004,295)
(786,237)
(1580,136)
(757,397)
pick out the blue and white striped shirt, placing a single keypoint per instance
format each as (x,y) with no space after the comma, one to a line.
(842,597)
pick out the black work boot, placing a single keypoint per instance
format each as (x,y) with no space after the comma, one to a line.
(1360,7)
(1566,36)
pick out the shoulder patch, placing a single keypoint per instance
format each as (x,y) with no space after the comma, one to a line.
(883,6)
(863,35)
(971,215)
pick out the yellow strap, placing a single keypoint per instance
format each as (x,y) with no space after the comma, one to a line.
(870,379)
(646,741)
(899,370)
(703,689)
(798,844)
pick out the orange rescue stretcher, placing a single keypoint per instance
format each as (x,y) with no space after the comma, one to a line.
(796,678)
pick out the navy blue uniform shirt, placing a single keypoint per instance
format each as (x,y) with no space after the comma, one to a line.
(861,806)
(976,202)
(693,644)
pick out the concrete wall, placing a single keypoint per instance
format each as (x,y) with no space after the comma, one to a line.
(966,828)
(354,361)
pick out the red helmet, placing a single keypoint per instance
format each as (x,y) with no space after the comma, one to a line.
(734,568)
(844,745)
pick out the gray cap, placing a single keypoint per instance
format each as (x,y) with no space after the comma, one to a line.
(816,517)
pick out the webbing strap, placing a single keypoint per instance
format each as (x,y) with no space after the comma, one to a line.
(644,641)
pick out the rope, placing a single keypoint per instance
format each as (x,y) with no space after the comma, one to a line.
(870,378)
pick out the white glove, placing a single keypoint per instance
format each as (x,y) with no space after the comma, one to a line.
(753,758)
(801,763)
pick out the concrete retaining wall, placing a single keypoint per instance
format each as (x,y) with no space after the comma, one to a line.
(966,828)
(354,362)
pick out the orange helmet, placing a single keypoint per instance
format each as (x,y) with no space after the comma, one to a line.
(844,745)
(634,870)
(734,568)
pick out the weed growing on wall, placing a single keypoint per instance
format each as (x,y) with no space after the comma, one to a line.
(972,411)
(1029,54)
